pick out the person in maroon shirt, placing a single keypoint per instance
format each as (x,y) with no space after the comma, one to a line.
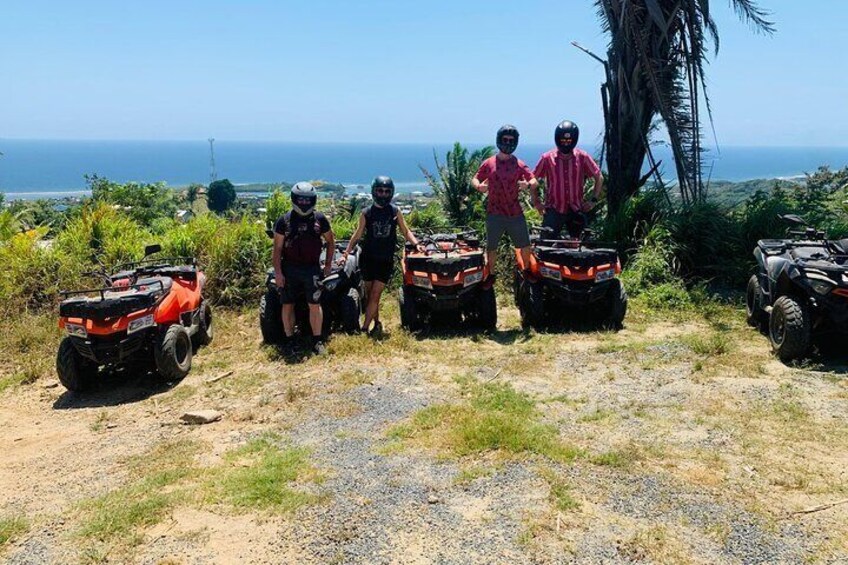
(296,257)
(502,177)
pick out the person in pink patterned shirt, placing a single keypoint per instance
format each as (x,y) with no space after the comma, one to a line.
(502,177)
(565,171)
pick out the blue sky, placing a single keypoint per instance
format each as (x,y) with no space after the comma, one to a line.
(391,71)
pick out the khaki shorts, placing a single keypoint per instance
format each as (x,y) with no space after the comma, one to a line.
(515,226)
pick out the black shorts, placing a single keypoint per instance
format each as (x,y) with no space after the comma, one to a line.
(573,222)
(301,282)
(377,268)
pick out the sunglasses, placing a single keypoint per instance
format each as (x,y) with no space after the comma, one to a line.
(383,191)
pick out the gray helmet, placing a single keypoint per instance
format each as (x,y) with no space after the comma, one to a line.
(303,196)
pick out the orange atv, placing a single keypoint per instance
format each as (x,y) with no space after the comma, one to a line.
(449,278)
(567,279)
(151,310)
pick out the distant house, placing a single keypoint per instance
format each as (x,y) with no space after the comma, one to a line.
(184,216)
(417,194)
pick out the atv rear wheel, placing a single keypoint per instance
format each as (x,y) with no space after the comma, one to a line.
(755,316)
(617,306)
(487,315)
(350,308)
(205,332)
(531,304)
(75,372)
(789,328)
(410,318)
(172,353)
(271,318)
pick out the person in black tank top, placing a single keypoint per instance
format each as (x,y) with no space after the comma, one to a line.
(378,225)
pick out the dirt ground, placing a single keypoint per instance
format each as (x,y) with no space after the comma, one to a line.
(692,445)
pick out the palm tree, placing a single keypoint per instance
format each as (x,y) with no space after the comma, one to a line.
(655,69)
(452,183)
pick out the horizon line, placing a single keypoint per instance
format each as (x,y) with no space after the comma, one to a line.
(205,140)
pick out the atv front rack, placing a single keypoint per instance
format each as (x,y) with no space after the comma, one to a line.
(160,262)
(120,303)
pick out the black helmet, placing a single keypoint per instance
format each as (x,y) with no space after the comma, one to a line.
(506,145)
(382,190)
(566,136)
(303,197)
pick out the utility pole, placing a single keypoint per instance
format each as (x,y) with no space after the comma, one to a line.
(213,174)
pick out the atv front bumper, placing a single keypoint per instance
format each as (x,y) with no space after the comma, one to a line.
(444,298)
(576,293)
(113,349)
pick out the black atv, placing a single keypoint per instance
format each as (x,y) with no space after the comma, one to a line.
(569,279)
(800,291)
(342,300)
(447,278)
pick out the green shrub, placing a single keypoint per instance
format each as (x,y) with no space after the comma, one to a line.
(102,231)
(233,254)
(142,202)
(222,195)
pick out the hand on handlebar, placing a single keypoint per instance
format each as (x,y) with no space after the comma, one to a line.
(342,260)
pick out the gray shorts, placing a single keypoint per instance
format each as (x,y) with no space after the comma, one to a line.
(515,226)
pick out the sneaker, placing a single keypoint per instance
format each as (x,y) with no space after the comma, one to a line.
(319,348)
(377,331)
(287,344)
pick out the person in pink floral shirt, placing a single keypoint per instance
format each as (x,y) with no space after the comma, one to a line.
(502,177)
(565,170)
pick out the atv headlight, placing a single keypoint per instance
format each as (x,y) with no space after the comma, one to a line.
(76,330)
(422,281)
(140,323)
(331,282)
(821,286)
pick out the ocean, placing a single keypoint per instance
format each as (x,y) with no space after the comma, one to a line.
(41,168)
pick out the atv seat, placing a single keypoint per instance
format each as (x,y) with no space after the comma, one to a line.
(576,257)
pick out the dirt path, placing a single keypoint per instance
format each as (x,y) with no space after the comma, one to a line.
(690,453)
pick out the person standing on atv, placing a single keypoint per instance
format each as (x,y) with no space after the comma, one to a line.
(378,224)
(565,170)
(502,177)
(297,257)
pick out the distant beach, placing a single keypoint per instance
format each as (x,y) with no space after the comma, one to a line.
(54,169)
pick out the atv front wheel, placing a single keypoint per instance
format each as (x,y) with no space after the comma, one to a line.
(350,310)
(75,372)
(271,318)
(487,316)
(172,353)
(531,304)
(410,318)
(617,298)
(755,316)
(789,328)
(204,332)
